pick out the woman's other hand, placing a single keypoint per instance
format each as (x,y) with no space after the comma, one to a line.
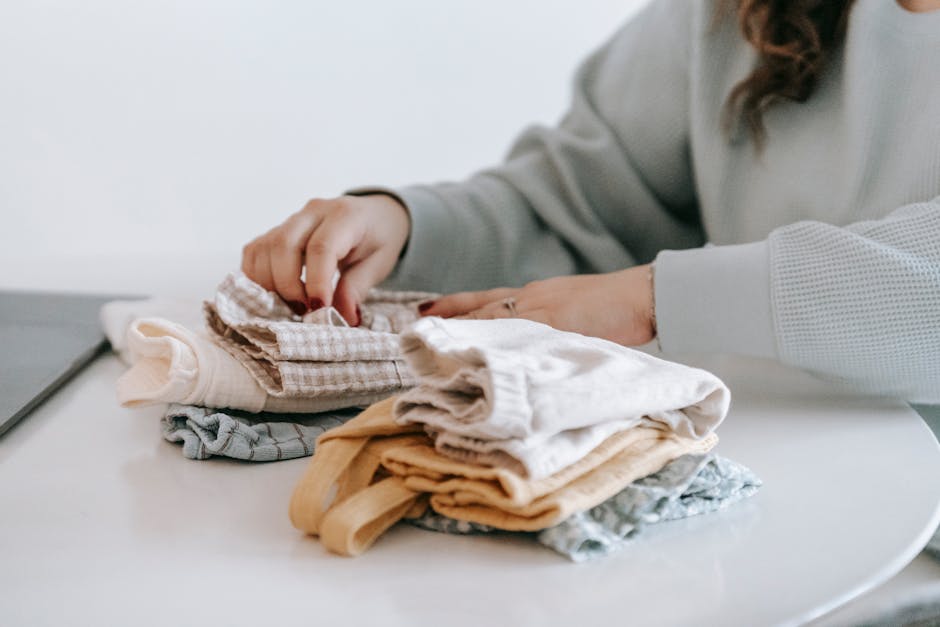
(617,306)
(361,236)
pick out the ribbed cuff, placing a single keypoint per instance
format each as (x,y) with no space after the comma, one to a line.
(715,300)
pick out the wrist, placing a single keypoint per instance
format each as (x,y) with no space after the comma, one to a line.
(651,281)
(638,292)
(646,303)
(394,208)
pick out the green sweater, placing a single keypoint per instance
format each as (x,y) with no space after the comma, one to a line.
(825,247)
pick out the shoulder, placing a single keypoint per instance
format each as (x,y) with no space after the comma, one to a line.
(681,24)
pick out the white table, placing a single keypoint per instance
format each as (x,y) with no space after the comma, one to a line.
(105,523)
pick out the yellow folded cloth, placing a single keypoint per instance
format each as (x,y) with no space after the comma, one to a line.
(371,472)
(502,499)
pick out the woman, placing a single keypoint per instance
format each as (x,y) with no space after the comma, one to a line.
(801,139)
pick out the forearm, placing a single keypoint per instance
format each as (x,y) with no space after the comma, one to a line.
(473,235)
(860,304)
(606,188)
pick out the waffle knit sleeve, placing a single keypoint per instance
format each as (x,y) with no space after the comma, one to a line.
(606,188)
(859,304)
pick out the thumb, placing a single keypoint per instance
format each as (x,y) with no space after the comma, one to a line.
(355,283)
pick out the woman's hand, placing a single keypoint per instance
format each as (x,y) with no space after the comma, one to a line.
(617,306)
(361,236)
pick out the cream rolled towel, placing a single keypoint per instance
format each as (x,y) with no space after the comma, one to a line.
(173,364)
(116,317)
(522,395)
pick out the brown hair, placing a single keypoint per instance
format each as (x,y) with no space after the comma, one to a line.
(793,41)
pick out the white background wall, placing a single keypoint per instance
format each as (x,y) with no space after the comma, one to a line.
(163,125)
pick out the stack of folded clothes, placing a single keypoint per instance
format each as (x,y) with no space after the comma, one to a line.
(249,379)
(516,426)
(471,426)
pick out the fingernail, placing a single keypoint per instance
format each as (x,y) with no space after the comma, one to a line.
(423,307)
(297,307)
(315,303)
(358,316)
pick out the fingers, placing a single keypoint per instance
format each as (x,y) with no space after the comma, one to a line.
(464,302)
(256,265)
(540,315)
(249,252)
(498,310)
(327,236)
(354,284)
(287,258)
(274,260)
(332,241)
(492,311)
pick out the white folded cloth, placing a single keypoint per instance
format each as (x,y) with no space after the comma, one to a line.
(117,315)
(522,395)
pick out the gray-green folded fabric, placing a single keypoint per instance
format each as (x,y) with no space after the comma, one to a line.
(263,437)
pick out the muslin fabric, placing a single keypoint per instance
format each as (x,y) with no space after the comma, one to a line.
(205,433)
(319,355)
(521,395)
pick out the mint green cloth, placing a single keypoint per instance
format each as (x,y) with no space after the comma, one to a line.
(264,437)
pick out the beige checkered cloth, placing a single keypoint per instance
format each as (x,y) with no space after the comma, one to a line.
(317,356)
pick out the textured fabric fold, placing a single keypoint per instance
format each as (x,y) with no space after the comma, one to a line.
(525,396)
(205,432)
(318,355)
(339,490)
(501,499)
(172,364)
(687,486)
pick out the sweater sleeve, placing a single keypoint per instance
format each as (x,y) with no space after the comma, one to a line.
(607,188)
(859,304)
